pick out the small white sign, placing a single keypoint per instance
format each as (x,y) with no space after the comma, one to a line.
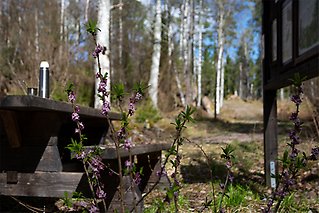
(272,174)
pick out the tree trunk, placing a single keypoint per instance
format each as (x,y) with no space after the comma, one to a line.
(61,29)
(103,39)
(154,75)
(120,33)
(86,15)
(241,80)
(199,61)
(220,58)
(222,81)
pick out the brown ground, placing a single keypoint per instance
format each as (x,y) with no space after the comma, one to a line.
(240,124)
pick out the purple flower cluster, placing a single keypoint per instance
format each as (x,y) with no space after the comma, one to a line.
(133,101)
(106,108)
(314,153)
(161,173)
(137,178)
(100,193)
(99,49)
(96,165)
(121,134)
(296,99)
(102,89)
(128,164)
(128,144)
(71,97)
(75,114)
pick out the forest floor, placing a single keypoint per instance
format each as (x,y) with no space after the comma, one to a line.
(239,124)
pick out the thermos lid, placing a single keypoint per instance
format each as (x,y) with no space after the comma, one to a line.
(44,64)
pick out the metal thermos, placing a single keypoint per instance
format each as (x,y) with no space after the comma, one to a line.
(44,84)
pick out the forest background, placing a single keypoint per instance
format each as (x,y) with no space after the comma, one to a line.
(206,50)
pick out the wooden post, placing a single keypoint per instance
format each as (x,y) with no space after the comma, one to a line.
(270,136)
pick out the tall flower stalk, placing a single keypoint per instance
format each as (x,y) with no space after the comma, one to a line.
(90,158)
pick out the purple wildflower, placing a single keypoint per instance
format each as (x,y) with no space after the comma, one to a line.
(102,86)
(100,193)
(138,96)
(76,108)
(98,49)
(106,107)
(93,209)
(161,173)
(222,186)
(121,133)
(71,96)
(98,75)
(75,117)
(293,116)
(137,178)
(128,144)
(294,137)
(131,108)
(82,155)
(228,164)
(314,153)
(296,99)
(79,205)
(231,177)
(81,126)
(128,164)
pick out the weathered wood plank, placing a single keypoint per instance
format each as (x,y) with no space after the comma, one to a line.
(50,160)
(11,128)
(41,184)
(30,102)
(110,152)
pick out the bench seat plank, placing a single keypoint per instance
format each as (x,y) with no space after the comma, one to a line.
(41,184)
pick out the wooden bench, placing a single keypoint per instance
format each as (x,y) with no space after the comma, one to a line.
(34,161)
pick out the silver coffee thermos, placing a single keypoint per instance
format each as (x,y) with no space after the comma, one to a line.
(44,81)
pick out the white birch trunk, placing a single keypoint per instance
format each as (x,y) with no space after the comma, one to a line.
(61,29)
(154,75)
(120,33)
(181,33)
(86,15)
(179,87)
(199,61)
(241,80)
(36,39)
(185,35)
(170,51)
(222,82)
(103,39)
(282,94)
(220,58)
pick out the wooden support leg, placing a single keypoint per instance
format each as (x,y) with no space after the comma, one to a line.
(270,136)
(11,127)
(50,160)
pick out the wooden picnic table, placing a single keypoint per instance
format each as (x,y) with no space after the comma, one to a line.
(34,161)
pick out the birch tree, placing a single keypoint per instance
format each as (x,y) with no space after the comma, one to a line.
(61,28)
(225,27)
(221,41)
(103,39)
(156,55)
(199,61)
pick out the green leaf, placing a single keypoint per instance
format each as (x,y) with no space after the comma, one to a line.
(140,87)
(69,88)
(118,92)
(91,27)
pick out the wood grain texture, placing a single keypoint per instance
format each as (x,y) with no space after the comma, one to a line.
(41,184)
